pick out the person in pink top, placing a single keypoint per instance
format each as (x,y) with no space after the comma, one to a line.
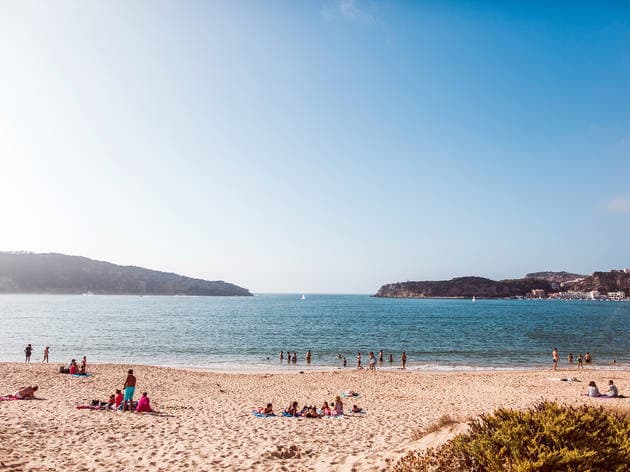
(144,404)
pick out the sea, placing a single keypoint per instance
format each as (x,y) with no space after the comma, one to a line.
(248,333)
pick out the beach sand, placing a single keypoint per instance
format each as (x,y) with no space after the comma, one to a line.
(207,422)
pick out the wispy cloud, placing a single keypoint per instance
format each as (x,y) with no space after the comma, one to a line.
(618,205)
(350,10)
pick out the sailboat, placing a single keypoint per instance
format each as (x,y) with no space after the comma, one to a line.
(473,299)
(303,297)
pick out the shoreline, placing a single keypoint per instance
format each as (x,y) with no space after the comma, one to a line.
(206,420)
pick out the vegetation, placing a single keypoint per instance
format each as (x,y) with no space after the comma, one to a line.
(442,422)
(547,437)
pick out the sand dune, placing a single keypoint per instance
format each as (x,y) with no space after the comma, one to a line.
(206,421)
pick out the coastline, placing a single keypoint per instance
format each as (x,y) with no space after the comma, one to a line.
(207,422)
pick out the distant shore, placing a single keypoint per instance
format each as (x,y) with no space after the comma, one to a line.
(206,421)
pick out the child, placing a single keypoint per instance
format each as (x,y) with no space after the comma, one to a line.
(326,411)
(118,399)
(356,409)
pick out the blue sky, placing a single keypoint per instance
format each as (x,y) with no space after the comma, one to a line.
(318,146)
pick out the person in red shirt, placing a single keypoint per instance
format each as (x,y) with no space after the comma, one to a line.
(119,398)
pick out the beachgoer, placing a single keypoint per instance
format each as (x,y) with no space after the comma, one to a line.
(118,399)
(338,409)
(380,355)
(83,369)
(288,356)
(311,412)
(292,409)
(72,368)
(27,352)
(26,393)
(268,410)
(555,357)
(612,389)
(356,409)
(372,362)
(587,358)
(144,404)
(592,390)
(326,411)
(579,362)
(112,401)
(129,388)
(308,356)
(570,358)
(294,357)
(46,350)
(281,355)
(359,360)
(391,358)
(345,362)
(403,359)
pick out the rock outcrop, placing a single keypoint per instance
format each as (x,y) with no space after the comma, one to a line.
(555,277)
(603,282)
(59,273)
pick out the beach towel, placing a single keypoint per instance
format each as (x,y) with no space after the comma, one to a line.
(6,398)
(288,415)
(82,375)
(602,397)
(349,395)
(95,407)
(260,415)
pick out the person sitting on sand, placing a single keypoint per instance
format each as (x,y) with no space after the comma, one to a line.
(118,399)
(311,412)
(356,409)
(144,404)
(326,411)
(292,409)
(26,393)
(612,390)
(338,410)
(593,391)
(73,368)
(268,410)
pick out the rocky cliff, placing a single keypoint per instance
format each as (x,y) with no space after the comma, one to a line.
(555,277)
(463,287)
(604,282)
(58,273)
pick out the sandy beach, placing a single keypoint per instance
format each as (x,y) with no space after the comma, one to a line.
(206,421)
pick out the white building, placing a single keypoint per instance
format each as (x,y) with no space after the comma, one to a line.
(616,295)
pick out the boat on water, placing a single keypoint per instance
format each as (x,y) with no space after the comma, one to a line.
(302,297)
(473,299)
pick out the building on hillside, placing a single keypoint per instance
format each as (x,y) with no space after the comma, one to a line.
(616,295)
(538,293)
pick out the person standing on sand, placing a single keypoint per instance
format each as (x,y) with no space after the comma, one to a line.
(83,369)
(27,352)
(46,355)
(294,357)
(554,354)
(359,360)
(129,388)
(403,359)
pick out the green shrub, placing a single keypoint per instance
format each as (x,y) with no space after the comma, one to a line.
(547,437)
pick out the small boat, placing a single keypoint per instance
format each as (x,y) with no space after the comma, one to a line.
(303,297)
(473,299)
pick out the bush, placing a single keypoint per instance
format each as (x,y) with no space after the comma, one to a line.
(547,437)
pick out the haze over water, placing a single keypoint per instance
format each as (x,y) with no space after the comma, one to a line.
(239,333)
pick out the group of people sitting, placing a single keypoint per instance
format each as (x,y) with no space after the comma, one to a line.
(612,392)
(334,409)
(74,368)
(115,402)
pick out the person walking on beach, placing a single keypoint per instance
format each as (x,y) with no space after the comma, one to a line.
(554,354)
(403,359)
(129,388)
(46,350)
(28,350)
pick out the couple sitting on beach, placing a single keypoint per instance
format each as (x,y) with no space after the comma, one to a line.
(612,392)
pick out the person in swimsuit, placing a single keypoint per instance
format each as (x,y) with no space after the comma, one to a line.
(570,358)
(308,356)
(555,357)
(292,409)
(391,358)
(359,361)
(83,369)
(281,356)
(26,393)
(403,359)
(27,352)
(46,350)
(372,362)
(579,363)
(294,360)
(380,356)
(338,410)
(129,388)
(587,358)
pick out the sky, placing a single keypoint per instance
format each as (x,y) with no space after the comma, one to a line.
(318,147)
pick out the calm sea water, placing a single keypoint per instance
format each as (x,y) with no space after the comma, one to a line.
(240,333)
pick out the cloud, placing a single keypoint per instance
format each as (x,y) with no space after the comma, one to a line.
(350,10)
(618,205)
